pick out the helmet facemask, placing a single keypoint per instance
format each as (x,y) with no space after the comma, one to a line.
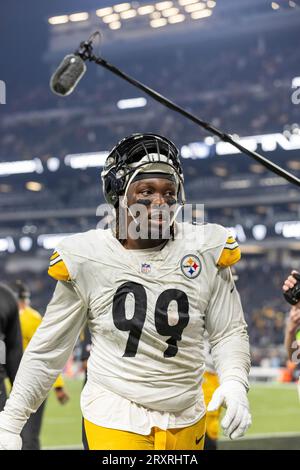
(141,156)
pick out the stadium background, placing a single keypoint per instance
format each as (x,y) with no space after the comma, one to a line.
(235,64)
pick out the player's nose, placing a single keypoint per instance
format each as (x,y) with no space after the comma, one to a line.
(158,199)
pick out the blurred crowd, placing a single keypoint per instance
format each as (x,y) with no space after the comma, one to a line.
(242,88)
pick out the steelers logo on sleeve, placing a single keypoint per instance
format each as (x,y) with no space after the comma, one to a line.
(190,266)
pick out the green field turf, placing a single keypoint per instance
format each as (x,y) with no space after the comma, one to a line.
(275,410)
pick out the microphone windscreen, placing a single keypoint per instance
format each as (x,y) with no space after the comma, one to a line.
(67,75)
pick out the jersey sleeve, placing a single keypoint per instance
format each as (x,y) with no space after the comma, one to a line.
(220,245)
(227,329)
(230,254)
(57,268)
(46,355)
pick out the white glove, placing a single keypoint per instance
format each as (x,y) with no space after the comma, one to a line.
(10,440)
(233,396)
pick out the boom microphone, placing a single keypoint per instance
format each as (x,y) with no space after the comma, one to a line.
(73,67)
(68,74)
(71,70)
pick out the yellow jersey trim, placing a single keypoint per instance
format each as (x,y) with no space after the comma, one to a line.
(57,268)
(231,253)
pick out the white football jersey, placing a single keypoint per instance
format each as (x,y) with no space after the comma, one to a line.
(147,310)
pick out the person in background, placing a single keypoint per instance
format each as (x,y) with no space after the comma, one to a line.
(30,320)
(10,340)
(292,330)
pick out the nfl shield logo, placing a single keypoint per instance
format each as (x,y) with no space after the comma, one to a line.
(146,268)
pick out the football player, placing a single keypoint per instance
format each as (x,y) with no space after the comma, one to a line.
(10,340)
(292,331)
(148,288)
(30,319)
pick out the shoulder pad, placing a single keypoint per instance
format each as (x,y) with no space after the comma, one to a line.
(57,268)
(230,254)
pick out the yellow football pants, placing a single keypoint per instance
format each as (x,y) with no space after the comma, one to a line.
(99,438)
(210,384)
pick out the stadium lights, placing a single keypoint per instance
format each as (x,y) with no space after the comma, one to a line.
(259,232)
(176,19)
(209,140)
(132,103)
(111,18)
(220,171)
(53,164)
(7,244)
(156,15)
(194,150)
(211,3)
(288,229)
(86,160)
(197,15)
(122,7)
(163,5)
(5,188)
(3,244)
(126,15)
(158,23)
(124,11)
(54,20)
(22,167)
(265,140)
(236,184)
(170,12)
(34,186)
(224,148)
(27,229)
(75,17)
(203,149)
(269,143)
(115,25)
(273,181)
(146,10)
(195,7)
(50,241)
(104,11)
(187,2)
(253,250)
(294,164)
(25,243)
(275,6)
(296,82)
(257,168)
